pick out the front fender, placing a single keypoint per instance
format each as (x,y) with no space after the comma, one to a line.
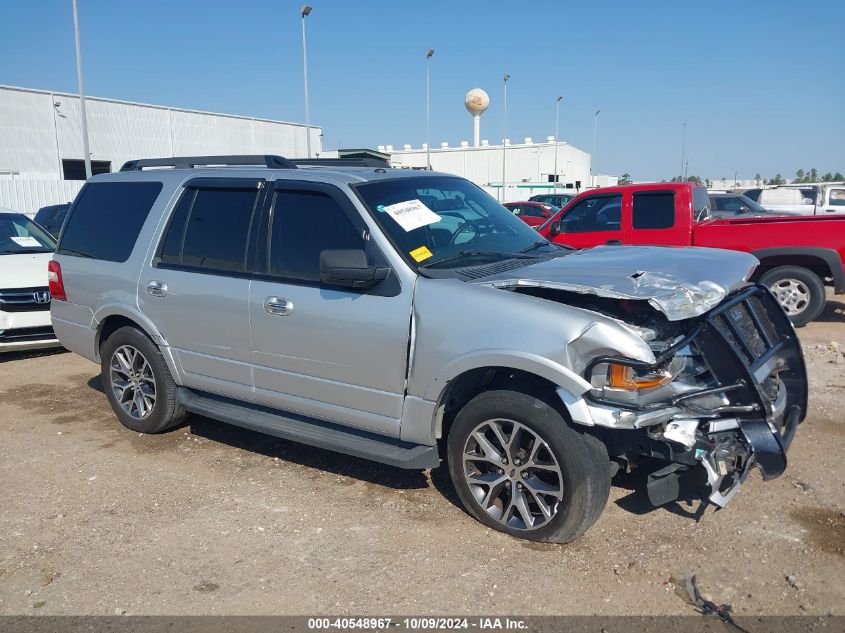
(532,363)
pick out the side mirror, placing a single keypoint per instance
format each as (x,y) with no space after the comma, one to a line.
(554,228)
(350,268)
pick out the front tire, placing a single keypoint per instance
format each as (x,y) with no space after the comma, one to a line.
(138,384)
(799,292)
(519,468)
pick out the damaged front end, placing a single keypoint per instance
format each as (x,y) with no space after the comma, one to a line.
(724,394)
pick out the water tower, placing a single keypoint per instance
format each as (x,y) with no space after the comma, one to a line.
(476,102)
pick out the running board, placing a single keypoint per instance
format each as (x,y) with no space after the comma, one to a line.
(313,432)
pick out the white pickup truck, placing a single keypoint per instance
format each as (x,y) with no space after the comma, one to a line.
(802,199)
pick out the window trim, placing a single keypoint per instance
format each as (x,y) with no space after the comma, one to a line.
(651,192)
(191,187)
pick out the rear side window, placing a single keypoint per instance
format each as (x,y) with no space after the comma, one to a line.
(305,223)
(209,229)
(654,210)
(105,221)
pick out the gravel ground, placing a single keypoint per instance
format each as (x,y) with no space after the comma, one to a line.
(96,519)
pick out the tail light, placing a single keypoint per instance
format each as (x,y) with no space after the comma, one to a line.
(54,280)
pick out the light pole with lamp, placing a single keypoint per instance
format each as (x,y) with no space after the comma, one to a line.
(557,121)
(306,10)
(428,57)
(504,134)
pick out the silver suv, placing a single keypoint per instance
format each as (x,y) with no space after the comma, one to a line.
(407,317)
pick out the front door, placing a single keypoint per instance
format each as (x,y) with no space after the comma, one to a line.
(197,289)
(328,352)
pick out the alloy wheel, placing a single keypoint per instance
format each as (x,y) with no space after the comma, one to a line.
(792,294)
(512,474)
(132,381)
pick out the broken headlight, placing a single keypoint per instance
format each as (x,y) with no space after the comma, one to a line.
(631,384)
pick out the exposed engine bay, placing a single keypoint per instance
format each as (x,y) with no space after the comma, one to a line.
(725,392)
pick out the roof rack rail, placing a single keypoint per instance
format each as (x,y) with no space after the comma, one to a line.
(341,162)
(189,162)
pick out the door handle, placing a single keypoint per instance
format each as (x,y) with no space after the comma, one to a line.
(156,288)
(278,306)
(614,242)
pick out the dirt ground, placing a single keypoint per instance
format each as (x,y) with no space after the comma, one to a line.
(96,519)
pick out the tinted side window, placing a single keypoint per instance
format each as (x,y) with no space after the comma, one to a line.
(654,210)
(106,219)
(217,228)
(701,209)
(305,223)
(171,248)
(598,213)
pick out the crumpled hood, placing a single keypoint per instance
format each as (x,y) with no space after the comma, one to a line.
(679,282)
(24,270)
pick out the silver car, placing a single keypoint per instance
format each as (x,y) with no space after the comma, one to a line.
(408,318)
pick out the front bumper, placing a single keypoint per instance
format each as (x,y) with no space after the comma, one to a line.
(755,360)
(24,330)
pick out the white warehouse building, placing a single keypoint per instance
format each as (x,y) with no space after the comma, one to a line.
(41,156)
(529,166)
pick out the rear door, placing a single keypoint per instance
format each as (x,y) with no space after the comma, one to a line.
(653,218)
(333,353)
(197,288)
(592,221)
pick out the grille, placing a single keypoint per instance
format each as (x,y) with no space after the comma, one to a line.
(23,334)
(24,299)
(746,325)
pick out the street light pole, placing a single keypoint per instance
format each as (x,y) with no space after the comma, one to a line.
(428,57)
(304,13)
(85,148)
(593,157)
(683,148)
(504,134)
(557,121)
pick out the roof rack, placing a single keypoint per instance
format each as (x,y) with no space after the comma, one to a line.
(189,162)
(341,162)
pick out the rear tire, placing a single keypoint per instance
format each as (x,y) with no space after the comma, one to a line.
(799,291)
(519,468)
(138,384)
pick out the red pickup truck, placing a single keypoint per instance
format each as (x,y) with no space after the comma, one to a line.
(798,255)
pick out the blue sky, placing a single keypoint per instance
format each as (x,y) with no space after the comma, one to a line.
(759,83)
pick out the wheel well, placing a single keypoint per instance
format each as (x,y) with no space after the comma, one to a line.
(469,384)
(110,325)
(811,263)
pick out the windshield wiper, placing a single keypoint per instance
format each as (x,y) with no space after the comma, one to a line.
(28,251)
(541,243)
(478,253)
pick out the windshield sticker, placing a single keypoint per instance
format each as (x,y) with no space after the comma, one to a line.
(412,214)
(26,241)
(420,254)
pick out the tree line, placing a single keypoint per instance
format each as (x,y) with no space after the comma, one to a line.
(801,176)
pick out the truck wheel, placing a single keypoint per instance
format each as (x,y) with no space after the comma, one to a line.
(519,468)
(799,291)
(137,382)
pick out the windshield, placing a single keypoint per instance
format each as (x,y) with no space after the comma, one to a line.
(441,221)
(19,234)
